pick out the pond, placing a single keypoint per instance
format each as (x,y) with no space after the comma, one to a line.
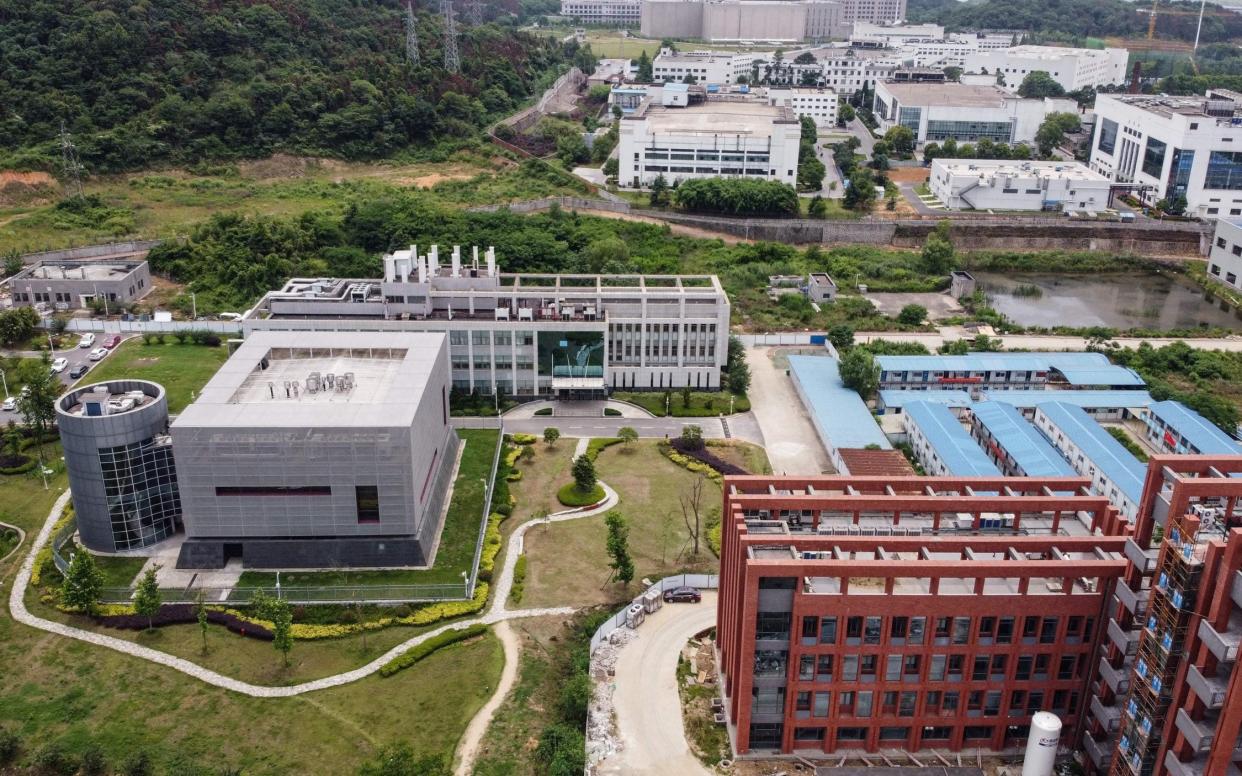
(1121,301)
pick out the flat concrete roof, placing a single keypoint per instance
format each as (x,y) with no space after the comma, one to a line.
(994,167)
(716,118)
(280,379)
(950,94)
(80,270)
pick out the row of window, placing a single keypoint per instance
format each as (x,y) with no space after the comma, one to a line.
(767,735)
(1230,277)
(863,704)
(934,668)
(902,631)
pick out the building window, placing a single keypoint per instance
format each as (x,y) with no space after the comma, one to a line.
(1153,157)
(367,499)
(1224,171)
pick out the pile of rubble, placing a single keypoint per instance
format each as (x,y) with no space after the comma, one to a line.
(601,733)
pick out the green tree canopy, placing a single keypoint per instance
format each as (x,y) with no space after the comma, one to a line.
(860,372)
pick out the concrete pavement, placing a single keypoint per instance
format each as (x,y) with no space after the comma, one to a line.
(646,702)
(787,431)
(865,138)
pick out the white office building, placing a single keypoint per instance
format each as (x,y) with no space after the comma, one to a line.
(611,12)
(525,334)
(1225,258)
(892,35)
(993,184)
(817,104)
(1072,68)
(939,111)
(840,68)
(746,20)
(704,67)
(1166,146)
(712,139)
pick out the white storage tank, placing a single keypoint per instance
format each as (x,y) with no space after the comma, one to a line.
(1041,747)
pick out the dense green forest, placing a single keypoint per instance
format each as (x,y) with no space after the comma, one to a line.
(142,82)
(1077,18)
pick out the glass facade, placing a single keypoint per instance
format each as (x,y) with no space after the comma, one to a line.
(140,483)
(1224,171)
(1108,136)
(996,131)
(571,353)
(1153,157)
(1179,171)
(910,119)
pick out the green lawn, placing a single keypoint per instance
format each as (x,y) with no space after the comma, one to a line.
(703,404)
(457,540)
(119,572)
(181,369)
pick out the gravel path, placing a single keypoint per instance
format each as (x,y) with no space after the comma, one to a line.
(21,537)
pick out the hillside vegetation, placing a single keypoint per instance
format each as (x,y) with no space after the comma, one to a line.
(146,82)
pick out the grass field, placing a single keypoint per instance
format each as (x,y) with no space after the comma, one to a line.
(703,404)
(181,369)
(457,541)
(566,562)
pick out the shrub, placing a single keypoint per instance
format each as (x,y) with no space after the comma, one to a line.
(138,764)
(182,614)
(542,411)
(53,759)
(519,580)
(597,445)
(524,439)
(612,412)
(10,744)
(93,761)
(704,455)
(430,646)
(570,496)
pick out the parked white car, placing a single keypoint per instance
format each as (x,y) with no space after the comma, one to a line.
(87,341)
(97,354)
(59,365)
(10,404)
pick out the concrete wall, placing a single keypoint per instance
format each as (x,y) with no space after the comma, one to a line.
(671,19)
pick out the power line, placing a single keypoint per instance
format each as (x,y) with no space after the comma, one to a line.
(69,161)
(411,35)
(452,60)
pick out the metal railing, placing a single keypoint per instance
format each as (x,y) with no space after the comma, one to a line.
(700,581)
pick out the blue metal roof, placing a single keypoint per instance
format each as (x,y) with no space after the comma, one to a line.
(961,455)
(1194,429)
(1087,399)
(1098,445)
(840,416)
(1078,368)
(1022,441)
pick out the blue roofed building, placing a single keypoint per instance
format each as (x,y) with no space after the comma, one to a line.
(942,446)
(1102,405)
(842,420)
(1172,427)
(1114,472)
(1013,444)
(1006,370)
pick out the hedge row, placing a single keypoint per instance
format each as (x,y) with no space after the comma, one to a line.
(570,496)
(523,439)
(182,614)
(429,646)
(686,462)
(598,444)
(705,456)
(519,580)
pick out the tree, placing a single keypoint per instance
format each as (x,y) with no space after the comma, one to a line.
(37,402)
(82,584)
(1053,129)
(147,597)
(912,314)
(278,612)
(692,437)
(805,58)
(644,75)
(953,73)
(685,397)
(692,513)
(13,262)
(900,140)
(550,435)
(572,150)
(608,251)
(937,256)
(811,172)
(659,191)
(818,207)
(627,434)
(1038,85)
(200,613)
(861,192)
(860,372)
(845,114)
(618,548)
(584,474)
(841,336)
(611,167)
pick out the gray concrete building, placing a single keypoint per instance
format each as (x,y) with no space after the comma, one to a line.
(525,334)
(318,450)
(73,284)
(120,464)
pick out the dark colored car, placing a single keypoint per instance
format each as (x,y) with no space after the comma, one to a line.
(112,342)
(682,595)
(78,371)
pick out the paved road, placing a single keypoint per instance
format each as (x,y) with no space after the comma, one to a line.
(74,355)
(912,197)
(860,131)
(787,431)
(646,702)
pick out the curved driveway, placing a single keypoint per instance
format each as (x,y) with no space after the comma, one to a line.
(646,702)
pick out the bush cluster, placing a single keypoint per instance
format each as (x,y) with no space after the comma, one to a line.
(519,580)
(428,647)
(570,496)
(703,455)
(182,614)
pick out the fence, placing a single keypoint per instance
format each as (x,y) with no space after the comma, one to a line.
(93,251)
(148,327)
(487,511)
(701,581)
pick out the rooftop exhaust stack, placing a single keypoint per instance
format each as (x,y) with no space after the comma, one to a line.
(422,265)
(433,261)
(1041,747)
(456,261)
(490,257)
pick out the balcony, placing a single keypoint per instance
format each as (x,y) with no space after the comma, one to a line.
(1108,716)
(1210,690)
(1236,591)
(1101,753)
(1223,645)
(1135,602)
(1118,679)
(1176,767)
(1126,641)
(1198,734)
(1144,560)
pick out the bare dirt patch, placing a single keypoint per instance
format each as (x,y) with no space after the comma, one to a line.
(688,231)
(26,188)
(908,174)
(284,166)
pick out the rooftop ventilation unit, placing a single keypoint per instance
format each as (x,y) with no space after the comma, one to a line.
(313,382)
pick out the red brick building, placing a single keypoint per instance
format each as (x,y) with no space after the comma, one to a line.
(910,612)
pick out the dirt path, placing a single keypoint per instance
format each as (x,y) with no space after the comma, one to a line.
(687,231)
(472,739)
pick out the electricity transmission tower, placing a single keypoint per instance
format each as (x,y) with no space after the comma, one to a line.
(69,161)
(452,60)
(411,35)
(474,11)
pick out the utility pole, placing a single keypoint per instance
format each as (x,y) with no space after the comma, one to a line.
(411,35)
(452,60)
(69,161)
